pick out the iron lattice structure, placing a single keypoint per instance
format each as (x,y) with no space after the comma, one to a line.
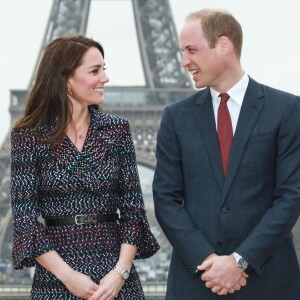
(165,81)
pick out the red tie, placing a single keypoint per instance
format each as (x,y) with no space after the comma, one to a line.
(225,133)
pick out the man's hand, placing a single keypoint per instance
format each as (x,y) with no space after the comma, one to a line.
(221,275)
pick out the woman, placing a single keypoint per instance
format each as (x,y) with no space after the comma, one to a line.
(75,166)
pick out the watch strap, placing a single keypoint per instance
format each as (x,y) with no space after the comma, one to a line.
(124,273)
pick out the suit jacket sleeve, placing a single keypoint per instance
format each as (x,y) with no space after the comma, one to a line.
(134,226)
(168,191)
(279,219)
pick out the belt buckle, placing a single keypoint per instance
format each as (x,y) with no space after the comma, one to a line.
(88,219)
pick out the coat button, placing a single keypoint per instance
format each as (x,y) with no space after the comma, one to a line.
(219,244)
(224,210)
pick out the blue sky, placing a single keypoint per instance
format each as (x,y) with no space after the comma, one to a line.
(270,51)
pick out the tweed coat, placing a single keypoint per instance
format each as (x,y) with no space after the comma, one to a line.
(60,181)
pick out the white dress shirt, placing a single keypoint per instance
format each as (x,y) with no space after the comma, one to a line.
(234,104)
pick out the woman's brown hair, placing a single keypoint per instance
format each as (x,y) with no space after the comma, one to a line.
(48,101)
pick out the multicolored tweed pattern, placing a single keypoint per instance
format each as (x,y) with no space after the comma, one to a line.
(61,181)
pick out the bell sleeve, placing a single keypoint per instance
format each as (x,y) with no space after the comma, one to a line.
(134,226)
(29,236)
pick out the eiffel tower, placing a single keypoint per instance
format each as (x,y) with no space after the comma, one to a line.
(165,81)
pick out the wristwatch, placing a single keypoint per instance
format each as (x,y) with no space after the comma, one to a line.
(124,273)
(240,262)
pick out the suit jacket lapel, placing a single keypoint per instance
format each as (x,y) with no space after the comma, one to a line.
(205,116)
(250,111)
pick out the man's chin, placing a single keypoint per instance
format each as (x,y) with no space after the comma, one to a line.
(199,85)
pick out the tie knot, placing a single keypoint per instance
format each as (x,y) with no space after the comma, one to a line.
(224,98)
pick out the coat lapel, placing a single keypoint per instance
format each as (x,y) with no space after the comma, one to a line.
(205,116)
(250,111)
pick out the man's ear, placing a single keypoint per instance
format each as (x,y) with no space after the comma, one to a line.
(225,46)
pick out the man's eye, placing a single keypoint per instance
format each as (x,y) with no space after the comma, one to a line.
(95,71)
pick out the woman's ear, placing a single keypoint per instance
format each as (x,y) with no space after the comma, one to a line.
(69,89)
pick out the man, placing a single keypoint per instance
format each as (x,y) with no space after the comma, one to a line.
(227,182)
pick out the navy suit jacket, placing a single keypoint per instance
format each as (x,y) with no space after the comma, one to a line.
(251,212)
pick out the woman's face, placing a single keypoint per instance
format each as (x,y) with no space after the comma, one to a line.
(87,83)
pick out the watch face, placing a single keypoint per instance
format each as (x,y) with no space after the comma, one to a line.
(125,275)
(240,261)
(242,264)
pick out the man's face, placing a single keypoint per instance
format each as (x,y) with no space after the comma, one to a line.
(203,63)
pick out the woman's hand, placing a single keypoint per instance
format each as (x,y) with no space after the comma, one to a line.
(80,284)
(112,282)
(77,283)
(110,286)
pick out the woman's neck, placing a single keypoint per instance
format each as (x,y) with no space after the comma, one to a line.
(78,127)
(80,118)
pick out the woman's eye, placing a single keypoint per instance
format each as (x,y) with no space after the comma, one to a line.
(95,71)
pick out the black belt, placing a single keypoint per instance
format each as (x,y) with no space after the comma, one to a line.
(82,219)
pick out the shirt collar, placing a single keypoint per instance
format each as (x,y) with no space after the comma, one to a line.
(236,93)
